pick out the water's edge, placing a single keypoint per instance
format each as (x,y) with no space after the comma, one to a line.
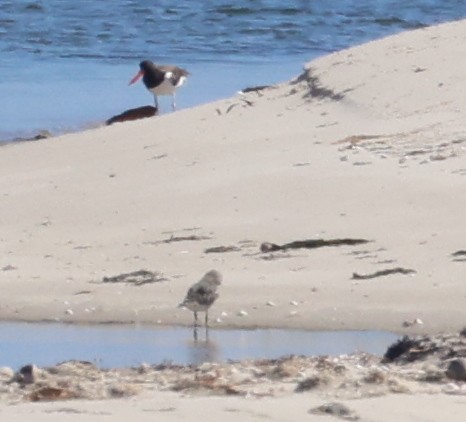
(120,345)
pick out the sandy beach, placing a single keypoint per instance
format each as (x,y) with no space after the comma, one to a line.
(368,143)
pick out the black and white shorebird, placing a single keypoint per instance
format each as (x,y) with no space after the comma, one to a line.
(202,295)
(161,79)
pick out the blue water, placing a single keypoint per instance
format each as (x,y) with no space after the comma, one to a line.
(129,345)
(65,64)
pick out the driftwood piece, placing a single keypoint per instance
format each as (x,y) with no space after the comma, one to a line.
(310,244)
(381,273)
(222,249)
(172,239)
(137,278)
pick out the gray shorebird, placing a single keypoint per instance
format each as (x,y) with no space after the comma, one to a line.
(202,295)
(160,79)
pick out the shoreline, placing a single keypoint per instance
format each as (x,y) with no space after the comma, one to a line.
(368,143)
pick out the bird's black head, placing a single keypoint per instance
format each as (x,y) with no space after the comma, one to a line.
(146,65)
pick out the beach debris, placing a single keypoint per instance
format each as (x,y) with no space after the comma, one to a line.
(222,249)
(69,312)
(42,134)
(9,267)
(336,409)
(381,273)
(26,375)
(415,321)
(315,87)
(398,349)
(423,364)
(231,107)
(158,156)
(172,239)
(309,383)
(48,393)
(459,256)
(242,313)
(123,390)
(410,349)
(456,370)
(273,257)
(256,89)
(133,114)
(353,140)
(247,103)
(310,244)
(294,303)
(362,163)
(208,383)
(137,278)
(271,303)
(82,292)
(6,374)
(376,376)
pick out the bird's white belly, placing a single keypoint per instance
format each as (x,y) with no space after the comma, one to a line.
(166,87)
(195,307)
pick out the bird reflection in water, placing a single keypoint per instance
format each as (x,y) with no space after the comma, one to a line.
(203,351)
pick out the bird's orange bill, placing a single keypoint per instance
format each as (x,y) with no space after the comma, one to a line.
(138,76)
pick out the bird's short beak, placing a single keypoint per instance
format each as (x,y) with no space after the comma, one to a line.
(138,76)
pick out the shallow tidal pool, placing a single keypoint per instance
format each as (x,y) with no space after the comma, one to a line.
(46,344)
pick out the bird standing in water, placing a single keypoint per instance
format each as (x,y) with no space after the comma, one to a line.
(201,296)
(161,79)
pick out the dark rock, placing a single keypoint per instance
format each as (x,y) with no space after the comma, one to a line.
(456,370)
(133,114)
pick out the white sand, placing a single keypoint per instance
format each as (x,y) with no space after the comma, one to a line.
(385,163)
(171,407)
